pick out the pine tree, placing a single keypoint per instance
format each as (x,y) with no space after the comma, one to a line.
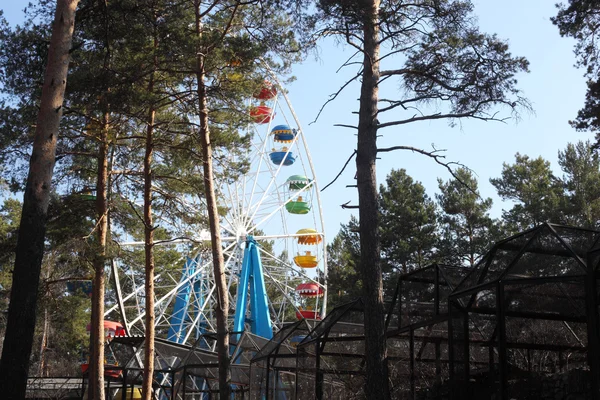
(581,180)
(343,281)
(579,19)
(408,224)
(536,192)
(30,246)
(466,227)
(449,70)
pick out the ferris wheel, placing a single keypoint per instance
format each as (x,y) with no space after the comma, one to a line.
(273,237)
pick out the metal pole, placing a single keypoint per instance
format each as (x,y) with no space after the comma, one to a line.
(438,362)
(437,290)
(124,386)
(502,352)
(451,360)
(268,378)
(319,374)
(467,349)
(412,363)
(593,350)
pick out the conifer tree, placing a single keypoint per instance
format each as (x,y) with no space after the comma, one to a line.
(581,167)
(408,223)
(466,227)
(30,246)
(535,190)
(446,69)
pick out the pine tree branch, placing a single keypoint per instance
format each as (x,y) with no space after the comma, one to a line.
(434,154)
(340,173)
(345,206)
(469,114)
(334,96)
(346,126)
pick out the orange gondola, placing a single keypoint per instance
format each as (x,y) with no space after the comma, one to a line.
(309,236)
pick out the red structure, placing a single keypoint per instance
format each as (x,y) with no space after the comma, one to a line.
(267,92)
(261,114)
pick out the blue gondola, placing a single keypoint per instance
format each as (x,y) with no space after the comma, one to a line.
(283,134)
(279,158)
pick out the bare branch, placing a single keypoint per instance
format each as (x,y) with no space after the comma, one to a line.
(346,126)
(434,154)
(345,206)
(334,96)
(180,238)
(468,114)
(347,62)
(340,173)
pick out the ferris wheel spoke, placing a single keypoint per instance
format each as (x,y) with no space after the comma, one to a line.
(260,150)
(257,207)
(200,314)
(186,281)
(272,180)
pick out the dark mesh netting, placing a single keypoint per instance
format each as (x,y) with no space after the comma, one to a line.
(520,322)
(273,368)
(331,358)
(421,294)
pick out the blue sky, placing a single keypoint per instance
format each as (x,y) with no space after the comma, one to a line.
(555,88)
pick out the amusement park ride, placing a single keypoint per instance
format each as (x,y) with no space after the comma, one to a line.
(273,243)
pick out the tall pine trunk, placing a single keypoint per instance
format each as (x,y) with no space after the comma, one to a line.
(97,339)
(97,326)
(44,344)
(18,339)
(377,385)
(149,244)
(222,309)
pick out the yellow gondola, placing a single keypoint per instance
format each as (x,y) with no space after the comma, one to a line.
(307,260)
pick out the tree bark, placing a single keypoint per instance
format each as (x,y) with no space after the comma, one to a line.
(97,339)
(149,245)
(222,309)
(377,384)
(44,345)
(18,340)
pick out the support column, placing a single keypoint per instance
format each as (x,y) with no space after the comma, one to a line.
(502,352)
(412,363)
(593,348)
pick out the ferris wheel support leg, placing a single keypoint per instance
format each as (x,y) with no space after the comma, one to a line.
(242,295)
(177,328)
(261,320)
(252,276)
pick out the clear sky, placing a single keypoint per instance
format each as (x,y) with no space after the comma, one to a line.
(555,88)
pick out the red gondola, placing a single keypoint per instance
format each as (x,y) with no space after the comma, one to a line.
(261,114)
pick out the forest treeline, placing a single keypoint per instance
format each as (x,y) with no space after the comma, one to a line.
(455,227)
(155,108)
(157,91)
